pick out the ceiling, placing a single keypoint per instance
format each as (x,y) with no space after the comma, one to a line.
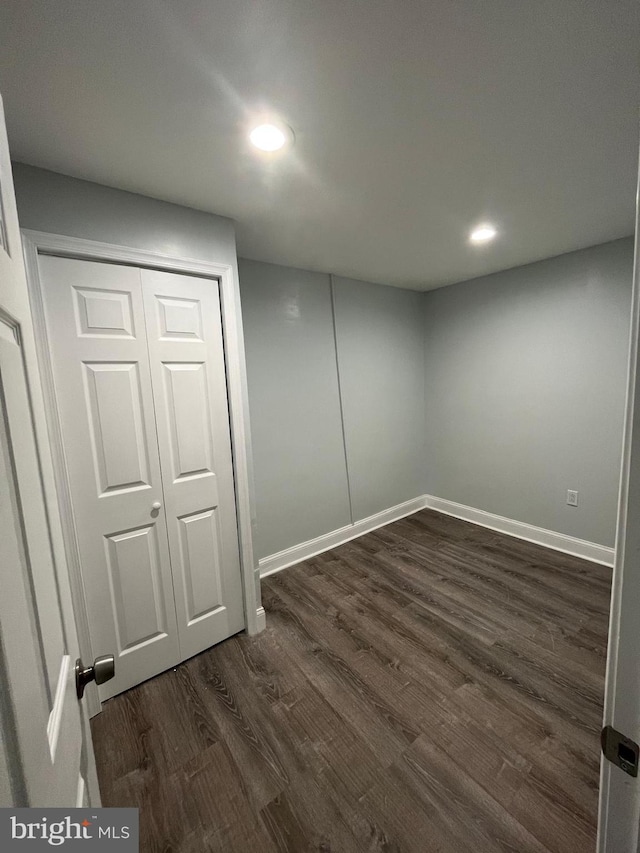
(414,120)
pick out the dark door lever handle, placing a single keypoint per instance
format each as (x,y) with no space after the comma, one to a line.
(103,669)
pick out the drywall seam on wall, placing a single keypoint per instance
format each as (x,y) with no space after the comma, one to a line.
(590,551)
(344,437)
(380,347)
(294,402)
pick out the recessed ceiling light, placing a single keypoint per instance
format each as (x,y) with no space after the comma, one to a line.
(483,233)
(268,137)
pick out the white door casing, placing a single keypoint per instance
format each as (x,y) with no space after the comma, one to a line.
(619,810)
(148,458)
(98,345)
(184,332)
(45,756)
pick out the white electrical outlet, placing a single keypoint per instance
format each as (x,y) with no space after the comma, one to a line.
(572,497)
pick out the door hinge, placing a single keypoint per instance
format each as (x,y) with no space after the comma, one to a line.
(620,750)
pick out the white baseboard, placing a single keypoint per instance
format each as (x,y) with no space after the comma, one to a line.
(298,553)
(548,538)
(261,619)
(519,529)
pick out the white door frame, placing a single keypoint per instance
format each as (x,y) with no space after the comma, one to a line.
(36,243)
(619,803)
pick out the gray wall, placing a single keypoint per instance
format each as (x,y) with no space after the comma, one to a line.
(294,344)
(58,204)
(525,383)
(380,343)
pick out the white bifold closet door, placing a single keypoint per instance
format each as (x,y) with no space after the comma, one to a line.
(139,373)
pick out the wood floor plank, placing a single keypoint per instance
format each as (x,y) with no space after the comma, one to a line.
(330,741)
(219,809)
(284,827)
(431,686)
(460,805)
(386,731)
(237,710)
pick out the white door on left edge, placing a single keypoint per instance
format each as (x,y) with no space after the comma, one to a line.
(140,382)
(45,758)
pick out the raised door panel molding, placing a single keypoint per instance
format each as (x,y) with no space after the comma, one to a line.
(136,587)
(200,553)
(117,430)
(189,421)
(103,313)
(180,319)
(9,331)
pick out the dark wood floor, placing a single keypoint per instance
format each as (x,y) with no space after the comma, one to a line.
(431,686)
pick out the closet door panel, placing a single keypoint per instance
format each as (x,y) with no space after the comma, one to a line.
(113,400)
(186,351)
(97,337)
(135,579)
(199,548)
(186,395)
